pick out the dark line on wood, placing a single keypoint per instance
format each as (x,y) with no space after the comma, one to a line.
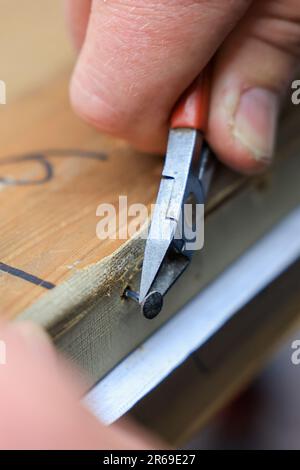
(26,277)
(41,157)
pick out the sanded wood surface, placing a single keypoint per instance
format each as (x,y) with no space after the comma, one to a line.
(51,187)
(48,227)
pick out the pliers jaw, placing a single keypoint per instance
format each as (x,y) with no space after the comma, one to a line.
(177,251)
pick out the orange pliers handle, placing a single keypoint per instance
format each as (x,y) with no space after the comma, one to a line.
(192,109)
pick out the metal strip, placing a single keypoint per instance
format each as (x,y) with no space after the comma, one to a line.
(170,346)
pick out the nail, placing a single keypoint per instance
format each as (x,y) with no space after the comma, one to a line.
(151,305)
(255,122)
(131,294)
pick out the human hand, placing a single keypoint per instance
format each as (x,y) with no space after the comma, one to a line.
(40,404)
(138,56)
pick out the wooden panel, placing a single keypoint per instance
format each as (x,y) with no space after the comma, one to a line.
(50,189)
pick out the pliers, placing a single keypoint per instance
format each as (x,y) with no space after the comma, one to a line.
(187,172)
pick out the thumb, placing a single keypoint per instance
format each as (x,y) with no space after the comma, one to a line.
(253,71)
(139,56)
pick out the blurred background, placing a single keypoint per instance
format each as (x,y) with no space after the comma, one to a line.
(265,416)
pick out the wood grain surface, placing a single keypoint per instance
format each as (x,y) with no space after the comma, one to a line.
(48,228)
(51,187)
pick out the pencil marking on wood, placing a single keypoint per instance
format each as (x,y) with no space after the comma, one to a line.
(41,158)
(26,276)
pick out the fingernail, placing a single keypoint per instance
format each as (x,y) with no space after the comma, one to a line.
(255,122)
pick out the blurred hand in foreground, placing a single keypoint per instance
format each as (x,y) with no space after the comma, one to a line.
(40,404)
